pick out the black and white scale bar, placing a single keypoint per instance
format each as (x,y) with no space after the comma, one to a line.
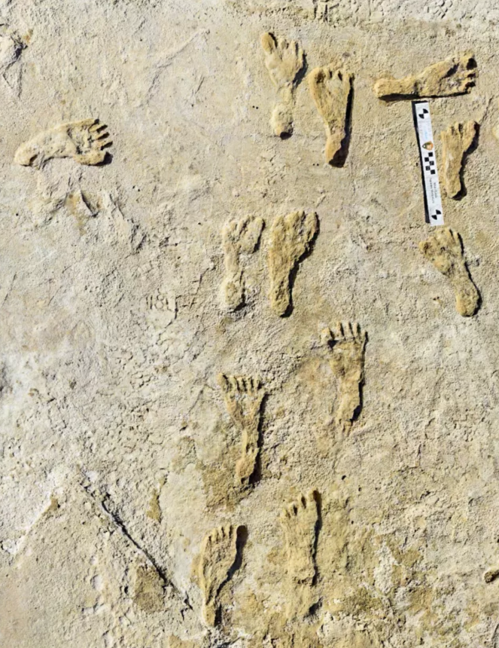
(432,198)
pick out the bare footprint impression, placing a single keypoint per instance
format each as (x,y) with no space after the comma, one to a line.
(291,238)
(284,61)
(243,397)
(219,553)
(300,522)
(240,238)
(346,357)
(85,141)
(457,140)
(444,249)
(331,90)
(453,76)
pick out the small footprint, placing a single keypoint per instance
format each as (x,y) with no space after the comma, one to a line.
(456,142)
(218,557)
(85,141)
(456,75)
(291,238)
(346,358)
(239,238)
(284,60)
(444,249)
(243,397)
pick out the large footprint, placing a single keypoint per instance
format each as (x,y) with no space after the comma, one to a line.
(291,238)
(85,141)
(331,91)
(299,521)
(455,75)
(284,61)
(444,249)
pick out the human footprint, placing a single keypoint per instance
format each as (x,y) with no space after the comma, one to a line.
(331,91)
(444,249)
(284,61)
(243,397)
(299,521)
(456,142)
(291,238)
(85,141)
(218,556)
(455,75)
(239,239)
(347,350)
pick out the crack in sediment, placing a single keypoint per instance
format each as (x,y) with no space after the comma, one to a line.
(120,525)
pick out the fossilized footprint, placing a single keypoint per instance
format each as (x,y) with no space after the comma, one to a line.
(444,249)
(347,350)
(284,61)
(291,238)
(299,521)
(149,590)
(239,238)
(85,141)
(331,90)
(455,75)
(456,141)
(243,397)
(218,557)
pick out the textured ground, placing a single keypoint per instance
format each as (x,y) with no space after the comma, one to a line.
(117,448)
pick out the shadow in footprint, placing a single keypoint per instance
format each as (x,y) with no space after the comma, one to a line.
(472,148)
(294,271)
(341,156)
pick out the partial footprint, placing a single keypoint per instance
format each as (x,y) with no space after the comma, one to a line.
(218,556)
(284,61)
(331,90)
(495,129)
(291,238)
(456,142)
(149,589)
(300,524)
(11,47)
(444,249)
(347,351)
(456,75)
(85,141)
(491,575)
(239,238)
(243,397)
(321,10)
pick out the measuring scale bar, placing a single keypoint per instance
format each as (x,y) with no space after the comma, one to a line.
(432,197)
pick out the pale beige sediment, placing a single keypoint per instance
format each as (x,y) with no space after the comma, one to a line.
(115,323)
